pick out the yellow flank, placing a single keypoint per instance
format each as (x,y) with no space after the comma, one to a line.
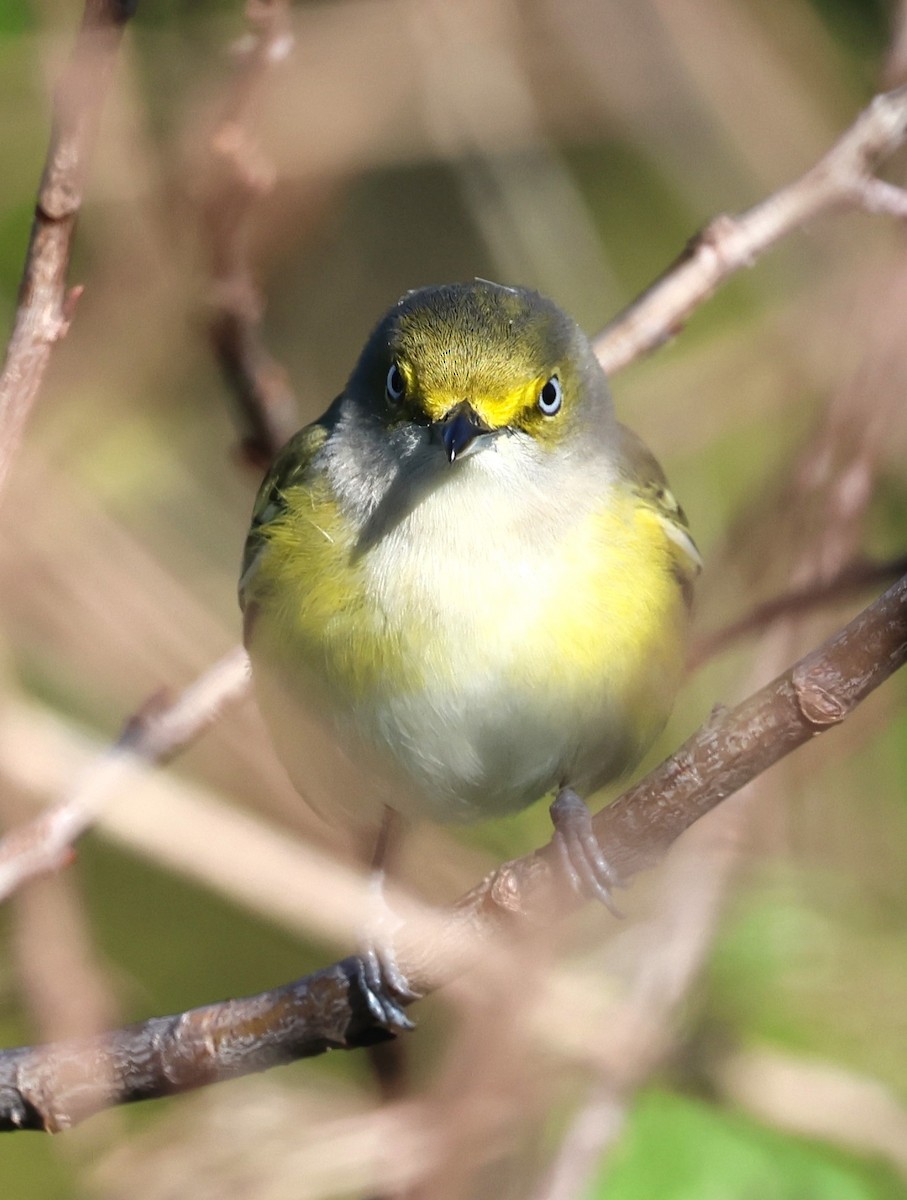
(610,619)
(317,612)
(612,592)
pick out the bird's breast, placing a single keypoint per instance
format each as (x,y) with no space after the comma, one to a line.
(495,642)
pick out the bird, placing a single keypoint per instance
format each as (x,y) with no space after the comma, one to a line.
(467,586)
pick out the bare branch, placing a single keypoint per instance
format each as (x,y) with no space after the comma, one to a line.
(239,176)
(45,308)
(54,1086)
(842,178)
(853,577)
(153,735)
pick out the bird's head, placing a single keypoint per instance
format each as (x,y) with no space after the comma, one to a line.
(474,361)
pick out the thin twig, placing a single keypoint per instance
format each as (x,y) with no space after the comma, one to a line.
(54,1086)
(854,577)
(597,1125)
(842,178)
(153,735)
(45,307)
(239,176)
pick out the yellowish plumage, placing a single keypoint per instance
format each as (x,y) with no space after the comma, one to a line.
(458,636)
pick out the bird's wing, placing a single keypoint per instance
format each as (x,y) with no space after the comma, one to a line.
(648,481)
(289,469)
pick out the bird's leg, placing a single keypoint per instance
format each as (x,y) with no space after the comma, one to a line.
(384,985)
(584,864)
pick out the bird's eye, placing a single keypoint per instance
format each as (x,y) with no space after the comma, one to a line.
(551,396)
(396,384)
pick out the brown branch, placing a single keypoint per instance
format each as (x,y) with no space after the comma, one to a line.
(54,1086)
(842,178)
(853,577)
(266,408)
(45,308)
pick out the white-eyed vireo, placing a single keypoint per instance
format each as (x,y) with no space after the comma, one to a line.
(467,585)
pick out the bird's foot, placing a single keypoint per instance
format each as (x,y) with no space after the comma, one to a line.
(385,987)
(584,864)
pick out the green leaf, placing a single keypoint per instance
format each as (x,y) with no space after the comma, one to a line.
(678,1148)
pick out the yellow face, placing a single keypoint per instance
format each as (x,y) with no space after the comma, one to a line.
(508,358)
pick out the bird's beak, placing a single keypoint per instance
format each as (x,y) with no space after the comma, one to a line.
(462,430)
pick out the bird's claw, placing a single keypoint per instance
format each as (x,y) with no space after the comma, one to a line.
(584,864)
(385,987)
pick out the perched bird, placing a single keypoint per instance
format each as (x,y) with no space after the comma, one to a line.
(467,586)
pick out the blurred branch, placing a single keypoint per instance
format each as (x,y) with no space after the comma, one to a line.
(154,734)
(45,308)
(636,1037)
(842,178)
(239,176)
(817,1100)
(895,69)
(54,1086)
(593,1130)
(853,577)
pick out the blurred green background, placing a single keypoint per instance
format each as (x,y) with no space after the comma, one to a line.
(571,145)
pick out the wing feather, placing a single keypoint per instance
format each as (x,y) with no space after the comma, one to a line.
(290,469)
